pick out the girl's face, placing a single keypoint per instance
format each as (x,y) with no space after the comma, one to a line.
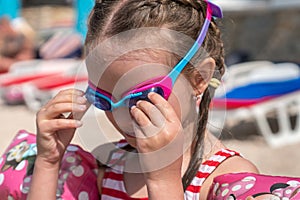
(126,72)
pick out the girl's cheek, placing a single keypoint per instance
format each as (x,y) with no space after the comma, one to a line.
(176,105)
(182,99)
(184,106)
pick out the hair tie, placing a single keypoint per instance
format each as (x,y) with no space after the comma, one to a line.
(215,83)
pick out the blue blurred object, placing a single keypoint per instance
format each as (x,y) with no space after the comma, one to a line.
(264,89)
(83,8)
(10,8)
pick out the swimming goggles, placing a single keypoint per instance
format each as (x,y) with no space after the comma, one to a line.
(161,85)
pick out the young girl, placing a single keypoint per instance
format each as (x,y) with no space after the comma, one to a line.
(161,113)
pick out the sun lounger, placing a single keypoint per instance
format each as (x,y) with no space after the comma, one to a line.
(29,72)
(271,100)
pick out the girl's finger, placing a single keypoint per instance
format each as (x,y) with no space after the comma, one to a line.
(152,112)
(142,125)
(140,117)
(69,95)
(71,91)
(55,110)
(78,115)
(142,132)
(80,99)
(138,131)
(59,124)
(163,106)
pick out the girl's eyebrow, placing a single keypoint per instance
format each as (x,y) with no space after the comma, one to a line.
(99,90)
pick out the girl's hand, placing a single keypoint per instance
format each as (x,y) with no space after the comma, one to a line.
(54,130)
(159,139)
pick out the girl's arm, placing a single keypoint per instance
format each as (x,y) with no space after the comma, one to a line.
(54,134)
(170,188)
(233,164)
(159,140)
(44,181)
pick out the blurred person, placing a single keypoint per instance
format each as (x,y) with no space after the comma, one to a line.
(16,42)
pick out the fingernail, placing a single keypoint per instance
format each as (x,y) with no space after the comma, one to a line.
(78,123)
(139,102)
(151,94)
(133,107)
(80,92)
(81,107)
(81,100)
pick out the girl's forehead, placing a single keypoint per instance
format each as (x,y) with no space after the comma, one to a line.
(125,73)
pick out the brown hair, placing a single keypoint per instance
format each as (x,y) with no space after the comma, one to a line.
(110,17)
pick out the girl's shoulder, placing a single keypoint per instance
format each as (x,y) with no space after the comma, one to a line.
(234,162)
(230,162)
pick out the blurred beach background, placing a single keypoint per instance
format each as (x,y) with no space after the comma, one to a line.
(253,30)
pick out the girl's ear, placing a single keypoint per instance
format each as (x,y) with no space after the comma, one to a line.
(203,74)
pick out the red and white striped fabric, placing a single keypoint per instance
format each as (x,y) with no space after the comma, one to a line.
(113,187)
